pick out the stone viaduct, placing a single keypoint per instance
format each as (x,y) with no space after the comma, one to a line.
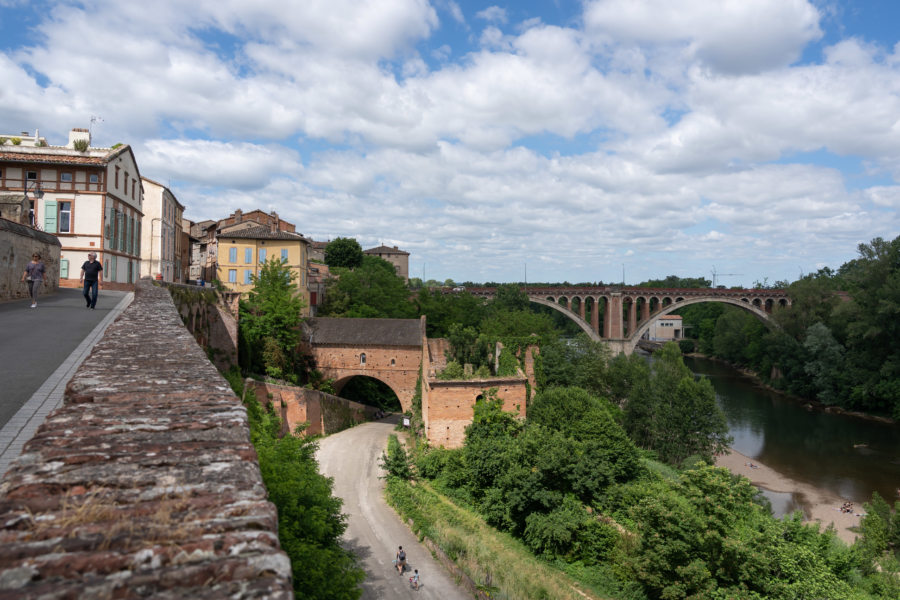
(628,312)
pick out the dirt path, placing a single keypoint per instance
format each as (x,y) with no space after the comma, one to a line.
(818,505)
(374,530)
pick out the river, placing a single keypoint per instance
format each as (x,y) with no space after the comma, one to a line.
(849,456)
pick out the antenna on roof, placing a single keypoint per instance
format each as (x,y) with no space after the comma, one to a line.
(94,119)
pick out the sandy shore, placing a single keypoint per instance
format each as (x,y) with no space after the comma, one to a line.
(818,505)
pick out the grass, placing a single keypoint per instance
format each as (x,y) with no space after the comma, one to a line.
(500,565)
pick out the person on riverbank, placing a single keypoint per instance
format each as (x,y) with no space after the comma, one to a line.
(400,560)
(34,276)
(90,277)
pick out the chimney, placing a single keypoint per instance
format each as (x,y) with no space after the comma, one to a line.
(276,222)
(238,216)
(78,134)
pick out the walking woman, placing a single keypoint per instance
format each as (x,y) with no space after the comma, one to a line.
(34,274)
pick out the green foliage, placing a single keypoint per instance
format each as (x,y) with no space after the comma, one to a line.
(508,364)
(674,414)
(843,349)
(673,281)
(270,319)
(686,346)
(395,460)
(468,347)
(310,524)
(371,290)
(371,391)
(16,141)
(578,362)
(343,252)
(81,145)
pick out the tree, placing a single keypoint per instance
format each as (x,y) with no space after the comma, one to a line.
(372,290)
(343,252)
(270,318)
(675,414)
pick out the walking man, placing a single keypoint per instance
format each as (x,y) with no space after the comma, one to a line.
(90,277)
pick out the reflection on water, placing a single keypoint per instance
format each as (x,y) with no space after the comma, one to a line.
(783,503)
(849,456)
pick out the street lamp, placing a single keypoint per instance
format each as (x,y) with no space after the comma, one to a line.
(35,186)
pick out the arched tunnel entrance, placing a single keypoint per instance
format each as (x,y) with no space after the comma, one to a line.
(369,391)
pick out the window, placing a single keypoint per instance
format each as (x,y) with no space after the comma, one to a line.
(65,177)
(248,276)
(393,362)
(117,176)
(232,255)
(262,255)
(31,175)
(284,255)
(248,255)
(362,359)
(94,178)
(65,217)
(232,275)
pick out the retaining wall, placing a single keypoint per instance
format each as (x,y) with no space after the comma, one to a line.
(17,244)
(144,483)
(325,413)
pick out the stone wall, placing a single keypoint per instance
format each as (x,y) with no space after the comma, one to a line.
(211,315)
(17,244)
(325,413)
(144,483)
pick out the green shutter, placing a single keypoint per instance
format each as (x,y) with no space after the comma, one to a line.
(63,268)
(50,216)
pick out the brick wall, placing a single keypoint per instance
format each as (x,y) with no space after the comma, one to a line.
(325,413)
(451,406)
(341,363)
(144,483)
(17,244)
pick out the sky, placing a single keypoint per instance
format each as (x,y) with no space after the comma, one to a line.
(566,140)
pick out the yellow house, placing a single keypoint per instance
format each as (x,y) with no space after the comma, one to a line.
(241,254)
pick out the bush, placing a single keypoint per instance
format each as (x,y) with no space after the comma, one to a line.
(686,346)
(395,461)
(81,145)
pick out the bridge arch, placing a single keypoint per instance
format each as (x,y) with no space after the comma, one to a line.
(584,325)
(744,303)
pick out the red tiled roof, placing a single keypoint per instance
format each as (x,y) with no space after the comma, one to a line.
(61,159)
(262,233)
(671,317)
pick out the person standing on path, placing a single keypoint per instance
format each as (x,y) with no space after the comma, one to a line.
(34,274)
(90,277)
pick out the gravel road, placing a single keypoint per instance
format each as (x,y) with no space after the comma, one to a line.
(374,530)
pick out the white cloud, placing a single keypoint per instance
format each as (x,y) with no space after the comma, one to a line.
(228,164)
(493,14)
(731,36)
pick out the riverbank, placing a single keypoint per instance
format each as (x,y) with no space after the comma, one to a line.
(819,505)
(809,403)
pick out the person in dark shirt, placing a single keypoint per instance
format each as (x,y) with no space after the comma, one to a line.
(90,277)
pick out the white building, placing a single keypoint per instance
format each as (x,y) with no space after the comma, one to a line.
(161,232)
(667,327)
(90,198)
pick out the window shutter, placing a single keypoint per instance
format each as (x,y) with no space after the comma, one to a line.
(64,268)
(50,216)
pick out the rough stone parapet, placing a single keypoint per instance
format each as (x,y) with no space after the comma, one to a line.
(144,483)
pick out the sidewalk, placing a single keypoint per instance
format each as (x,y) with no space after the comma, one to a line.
(39,335)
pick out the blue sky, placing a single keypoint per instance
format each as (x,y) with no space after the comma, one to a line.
(569,138)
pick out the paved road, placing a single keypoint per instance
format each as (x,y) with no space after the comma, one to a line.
(374,530)
(37,340)
(40,350)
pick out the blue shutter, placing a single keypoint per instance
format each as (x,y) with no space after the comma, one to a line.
(50,216)
(248,255)
(262,255)
(284,255)
(232,255)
